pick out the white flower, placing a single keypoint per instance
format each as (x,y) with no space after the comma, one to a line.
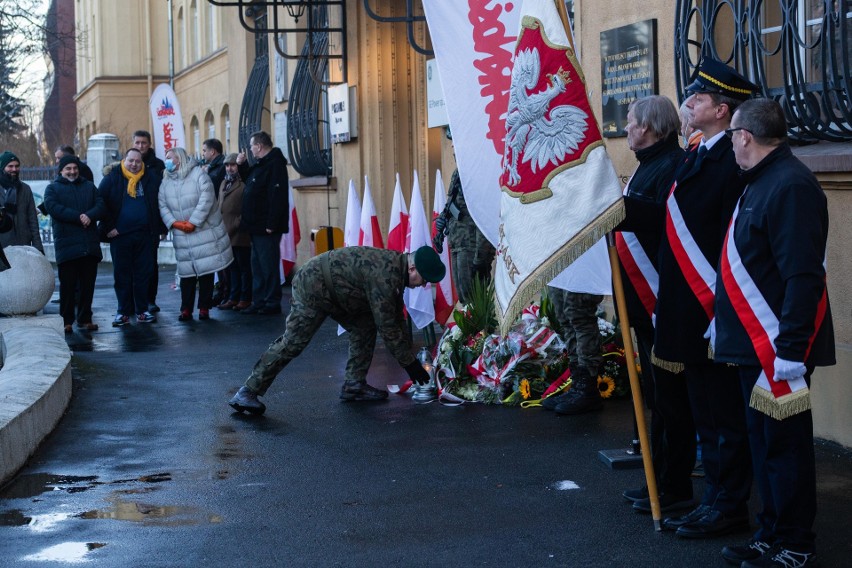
(446,347)
(545,322)
(455,333)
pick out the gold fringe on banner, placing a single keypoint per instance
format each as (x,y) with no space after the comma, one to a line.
(669,366)
(530,289)
(780,408)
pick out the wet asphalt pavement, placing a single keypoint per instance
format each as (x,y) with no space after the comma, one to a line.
(151,468)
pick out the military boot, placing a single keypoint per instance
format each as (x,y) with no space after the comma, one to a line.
(584,395)
(246,399)
(357,391)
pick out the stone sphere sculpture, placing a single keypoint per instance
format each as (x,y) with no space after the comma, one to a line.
(28,285)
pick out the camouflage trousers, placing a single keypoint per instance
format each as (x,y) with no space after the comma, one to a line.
(471,257)
(577,315)
(310,305)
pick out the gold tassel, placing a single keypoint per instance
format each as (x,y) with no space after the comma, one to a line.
(531,288)
(670,366)
(786,406)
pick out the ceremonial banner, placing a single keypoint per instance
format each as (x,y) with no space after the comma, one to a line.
(168,122)
(290,240)
(418,301)
(474,43)
(398,226)
(560,191)
(370,234)
(445,292)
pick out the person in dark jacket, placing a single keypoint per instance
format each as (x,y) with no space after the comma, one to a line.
(265,217)
(153,164)
(75,206)
(652,130)
(16,198)
(771,285)
(130,193)
(66,150)
(214,166)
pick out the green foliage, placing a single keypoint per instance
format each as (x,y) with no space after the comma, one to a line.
(480,314)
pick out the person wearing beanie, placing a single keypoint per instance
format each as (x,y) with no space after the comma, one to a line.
(18,203)
(361,288)
(75,207)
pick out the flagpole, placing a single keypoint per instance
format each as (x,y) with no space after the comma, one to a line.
(638,401)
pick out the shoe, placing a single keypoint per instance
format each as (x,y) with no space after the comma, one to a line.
(269,310)
(635,494)
(714,523)
(252,309)
(674,523)
(698,470)
(68,328)
(584,395)
(227,305)
(120,320)
(551,402)
(355,391)
(241,305)
(778,557)
(185,315)
(145,317)
(668,503)
(246,400)
(736,555)
(153,308)
(88,326)
(204,314)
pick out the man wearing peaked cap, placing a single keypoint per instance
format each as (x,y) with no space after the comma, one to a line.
(697,212)
(360,288)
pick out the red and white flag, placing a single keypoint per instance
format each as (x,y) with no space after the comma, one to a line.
(352,228)
(418,301)
(290,240)
(398,227)
(370,234)
(445,292)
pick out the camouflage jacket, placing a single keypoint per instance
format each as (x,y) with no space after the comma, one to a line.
(367,282)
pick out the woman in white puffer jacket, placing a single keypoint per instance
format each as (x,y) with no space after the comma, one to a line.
(188,207)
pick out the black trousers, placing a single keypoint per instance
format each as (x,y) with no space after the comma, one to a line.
(782,453)
(155,275)
(672,429)
(77,275)
(205,292)
(716,399)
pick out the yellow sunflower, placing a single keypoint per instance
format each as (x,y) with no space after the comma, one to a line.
(524,388)
(606,386)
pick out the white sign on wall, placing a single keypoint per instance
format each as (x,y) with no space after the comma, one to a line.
(280,133)
(341,113)
(437,110)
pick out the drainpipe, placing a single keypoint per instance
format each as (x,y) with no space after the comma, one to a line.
(171,48)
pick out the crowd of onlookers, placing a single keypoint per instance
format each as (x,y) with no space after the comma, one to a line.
(226,218)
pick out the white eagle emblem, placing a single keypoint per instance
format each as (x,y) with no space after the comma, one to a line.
(535,131)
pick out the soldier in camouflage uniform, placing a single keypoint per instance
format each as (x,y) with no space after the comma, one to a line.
(472,254)
(361,288)
(577,315)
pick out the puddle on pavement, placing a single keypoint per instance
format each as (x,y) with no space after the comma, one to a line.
(34,484)
(69,552)
(150,514)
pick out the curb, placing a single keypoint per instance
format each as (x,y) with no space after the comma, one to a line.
(35,386)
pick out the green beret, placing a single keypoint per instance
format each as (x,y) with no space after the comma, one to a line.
(7,157)
(429,265)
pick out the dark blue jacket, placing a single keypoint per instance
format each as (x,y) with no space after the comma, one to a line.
(65,201)
(266,197)
(113,188)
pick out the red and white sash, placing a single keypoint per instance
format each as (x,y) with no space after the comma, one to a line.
(700,274)
(780,399)
(639,269)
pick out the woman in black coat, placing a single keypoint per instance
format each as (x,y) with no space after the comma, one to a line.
(75,206)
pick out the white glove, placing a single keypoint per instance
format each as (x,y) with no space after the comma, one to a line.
(711,334)
(788,370)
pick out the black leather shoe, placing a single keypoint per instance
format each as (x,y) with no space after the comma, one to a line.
(635,494)
(355,391)
(668,503)
(252,309)
(579,405)
(551,402)
(713,524)
(736,555)
(674,523)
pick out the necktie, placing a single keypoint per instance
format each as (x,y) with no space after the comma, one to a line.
(702,151)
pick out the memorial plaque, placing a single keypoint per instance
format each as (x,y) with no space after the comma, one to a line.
(628,72)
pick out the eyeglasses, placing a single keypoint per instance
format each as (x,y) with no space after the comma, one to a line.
(729,132)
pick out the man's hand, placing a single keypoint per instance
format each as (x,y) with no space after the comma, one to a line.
(711,333)
(112,234)
(788,370)
(241,158)
(417,373)
(84,219)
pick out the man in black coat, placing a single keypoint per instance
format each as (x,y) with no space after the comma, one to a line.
(265,217)
(698,209)
(771,285)
(652,133)
(153,164)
